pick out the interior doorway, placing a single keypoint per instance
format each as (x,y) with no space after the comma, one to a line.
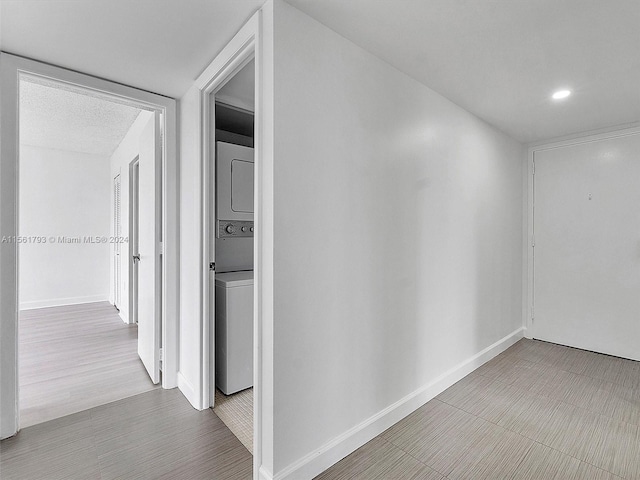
(232,235)
(78,348)
(232,207)
(14,70)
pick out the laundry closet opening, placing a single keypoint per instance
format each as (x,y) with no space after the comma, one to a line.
(232,241)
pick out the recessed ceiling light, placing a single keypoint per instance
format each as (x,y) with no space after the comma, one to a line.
(561,94)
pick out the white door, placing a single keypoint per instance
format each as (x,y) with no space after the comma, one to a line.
(149,231)
(587,246)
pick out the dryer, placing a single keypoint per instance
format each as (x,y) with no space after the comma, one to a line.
(234,190)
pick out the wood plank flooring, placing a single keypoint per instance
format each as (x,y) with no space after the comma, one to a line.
(75,357)
(537,411)
(154,435)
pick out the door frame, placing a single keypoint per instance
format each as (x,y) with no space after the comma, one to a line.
(253,41)
(529,217)
(12,67)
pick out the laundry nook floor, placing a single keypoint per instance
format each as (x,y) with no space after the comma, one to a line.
(236,411)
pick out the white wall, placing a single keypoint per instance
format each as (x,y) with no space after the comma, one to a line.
(398,237)
(63,193)
(119,162)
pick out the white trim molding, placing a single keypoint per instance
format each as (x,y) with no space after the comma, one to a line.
(264,474)
(58,302)
(11,68)
(238,52)
(187,389)
(349,441)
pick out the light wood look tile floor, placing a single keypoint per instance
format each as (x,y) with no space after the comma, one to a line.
(236,411)
(538,411)
(155,435)
(75,357)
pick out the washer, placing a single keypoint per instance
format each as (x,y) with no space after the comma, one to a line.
(234,331)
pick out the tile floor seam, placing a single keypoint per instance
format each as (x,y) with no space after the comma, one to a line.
(523,456)
(415,458)
(531,439)
(549,446)
(476,417)
(543,444)
(487,420)
(576,458)
(574,349)
(557,399)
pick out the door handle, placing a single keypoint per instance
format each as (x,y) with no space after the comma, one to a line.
(136,258)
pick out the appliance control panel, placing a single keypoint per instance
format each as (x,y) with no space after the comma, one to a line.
(234,228)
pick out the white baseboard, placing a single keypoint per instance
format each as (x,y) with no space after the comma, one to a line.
(58,302)
(123,317)
(189,392)
(264,475)
(341,446)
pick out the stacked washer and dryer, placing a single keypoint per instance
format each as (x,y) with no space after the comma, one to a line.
(234,267)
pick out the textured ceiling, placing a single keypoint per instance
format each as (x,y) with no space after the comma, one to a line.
(502,59)
(66,120)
